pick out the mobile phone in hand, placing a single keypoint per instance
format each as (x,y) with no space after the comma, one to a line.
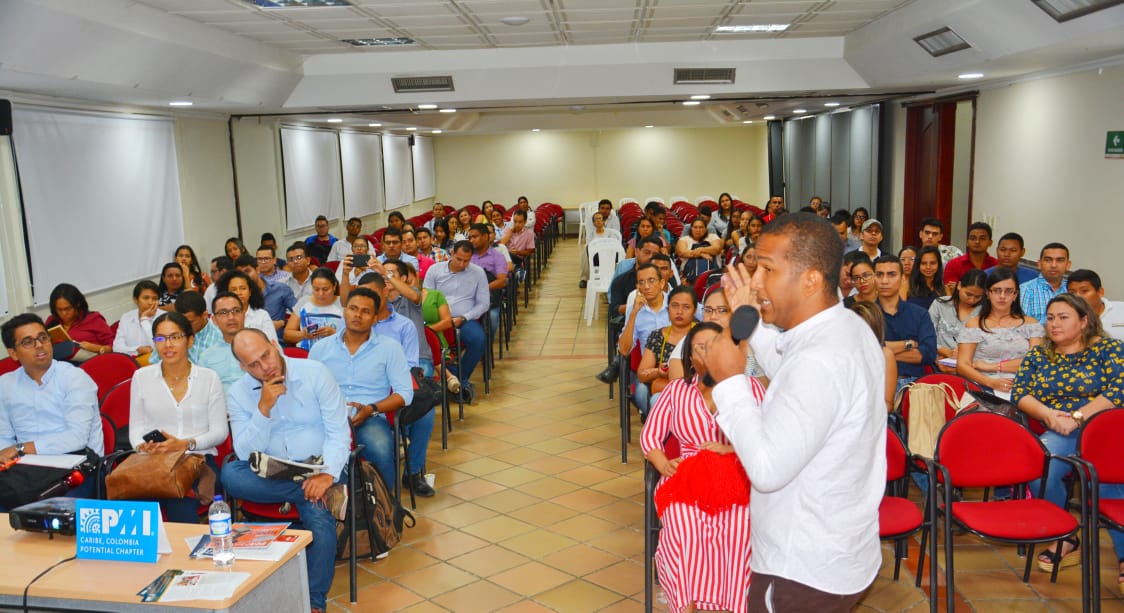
(154,437)
(360,260)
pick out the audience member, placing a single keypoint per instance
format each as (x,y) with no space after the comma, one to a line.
(648,313)
(229,319)
(925,282)
(992,345)
(485,215)
(348,272)
(312,423)
(268,268)
(219,266)
(300,275)
(495,269)
(841,220)
(950,313)
(441,236)
(599,230)
(171,284)
(699,250)
(625,282)
(134,331)
(1087,284)
(438,216)
(1077,372)
(318,316)
(87,330)
(612,221)
(907,255)
(714,310)
(774,208)
(320,244)
(909,331)
(410,250)
(645,228)
(497,222)
(1010,253)
(427,248)
(872,315)
(979,240)
(185,403)
(277,298)
(858,218)
(234,247)
(846,283)
(523,205)
(519,239)
(703,555)
(660,343)
(465,219)
(871,239)
(192,271)
(340,248)
(861,274)
(1053,263)
(720,221)
(465,287)
(395,220)
(240,284)
(932,231)
(392,248)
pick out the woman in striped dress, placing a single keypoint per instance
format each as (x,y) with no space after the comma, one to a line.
(703,495)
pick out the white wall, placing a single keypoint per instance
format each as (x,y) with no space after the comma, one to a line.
(1040,168)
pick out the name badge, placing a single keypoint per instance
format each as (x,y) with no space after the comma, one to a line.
(120,530)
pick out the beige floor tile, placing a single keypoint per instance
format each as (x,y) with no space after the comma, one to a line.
(423,607)
(430,582)
(549,488)
(473,489)
(584,527)
(400,561)
(578,596)
(450,545)
(585,500)
(538,543)
(530,579)
(478,597)
(586,475)
(543,513)
(625,578)
(462,514)
(384,597)
(580,559)
(498,528)
(514,476)
(525,606)
(487,561)
(506,500)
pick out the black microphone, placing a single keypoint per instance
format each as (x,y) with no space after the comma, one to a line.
(743,322)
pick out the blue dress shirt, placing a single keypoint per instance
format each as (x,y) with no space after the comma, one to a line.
(465,291)
(376,370)
(279,300)
(1036,294)
(401,329)
(59,416)
(912,322)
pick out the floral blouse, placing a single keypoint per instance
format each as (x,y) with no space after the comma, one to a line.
(1068,382)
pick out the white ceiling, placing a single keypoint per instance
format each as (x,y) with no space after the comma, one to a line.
(475,24)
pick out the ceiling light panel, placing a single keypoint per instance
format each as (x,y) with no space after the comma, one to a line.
(309,5)
(1064,10)
(941,42)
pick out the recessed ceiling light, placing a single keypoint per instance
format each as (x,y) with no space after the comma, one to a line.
(691,103)
(970,75)
(769,117)
(799,111)
(180,103)
(515,20)
(536,130)
(831,104)
(378,42)
(374,125)
(759,27)
(748,121)
(701,97)
(293,4)
(435,131)
(335,120)
(649,126)
(942,42)
(410,129)
(448,110)
(427,107)
(1064,10)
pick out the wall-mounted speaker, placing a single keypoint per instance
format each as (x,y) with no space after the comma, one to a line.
(5,117)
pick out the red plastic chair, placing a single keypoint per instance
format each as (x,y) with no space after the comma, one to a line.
(898,517)
(108,434)
(332,265)
(295,352)
(978,449)
(437,353)
(109,369)
(115,406)
(501,208)
(7,365)
(674,226)
(1099,446)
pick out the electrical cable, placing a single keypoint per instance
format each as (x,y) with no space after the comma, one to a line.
(40,576)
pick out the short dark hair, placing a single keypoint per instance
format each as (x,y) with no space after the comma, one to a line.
(145,285)
(396,215)
(663,257)
(980,225)
(841,216)
(649,239)
(688,341)
(372,277)
(422,230)
(1084,275)
(178,319)
(889,258)
(246,260)
(363,292)
(8,330)
(326,274)
(392,232)
(1049,246)
(1013,236)
(405,269)
(813,245)
(855,257)
(520,213)
(604,201)
(267,236)
(653,208)
(191,302)
(72,295)
(223,263)
(355,219)
(648,266)
(483,228)
(271,250)
(320,218)
(219,295)
(807,209)
(683,289)
(936,223)
(461,246)
(297,246)
(706,210)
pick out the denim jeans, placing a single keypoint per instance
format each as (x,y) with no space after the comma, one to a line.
(494,319)
(241,482)
(426,364)
(378,440)
(472,348)
(418,434)
(1055,488)
(642,397)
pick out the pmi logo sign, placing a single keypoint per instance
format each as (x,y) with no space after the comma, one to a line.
(117,530)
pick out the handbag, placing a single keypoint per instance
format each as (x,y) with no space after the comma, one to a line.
(154,475)
(427,394)
(992,404)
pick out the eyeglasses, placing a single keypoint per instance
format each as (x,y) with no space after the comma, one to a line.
(647,282)
(31,341)
(714,310)
(295,258)
(863,277)
(228,312)
(1002,291)
(265,259)
(908,258)
(171,338)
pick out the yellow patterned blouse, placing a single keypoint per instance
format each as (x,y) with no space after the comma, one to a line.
(1070,381)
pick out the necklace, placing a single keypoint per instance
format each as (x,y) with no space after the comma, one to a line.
(176,379)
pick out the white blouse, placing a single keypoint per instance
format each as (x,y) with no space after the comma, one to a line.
(259,319)
(201,414)
(133,333)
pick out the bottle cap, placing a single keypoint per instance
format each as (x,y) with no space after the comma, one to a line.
(218,498)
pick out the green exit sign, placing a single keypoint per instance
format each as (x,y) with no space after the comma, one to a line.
(1114,145)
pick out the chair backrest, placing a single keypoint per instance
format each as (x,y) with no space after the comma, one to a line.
(108,434)
(333,265)
(626,200)
(897,456)
(7,365)
(982,449)
(603,254)
(434,343)
(1099,443)
(655,199)
(115,406)
(295,352)
(701,200)
(959,385)
(677,199)
(109,369)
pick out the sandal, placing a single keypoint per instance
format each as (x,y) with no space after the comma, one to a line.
(1047,559)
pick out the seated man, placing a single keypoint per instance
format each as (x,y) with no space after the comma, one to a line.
(392,247)
(605,207)
(427,248)
(932,231)
(979,240)
(191,305)
(46,407)
(219,266)
(1087,284)
(230,319)
(410,248)
(495,269)
(841,220)
(520,239)
(909,331)
(1010,253)
(438,215)
(343,247)
(300,275)
(1053,263)
(268,267)
(279,299)
(465,287)
(320,244)
(649,313)
(624,279)
(371,370)
(292,410)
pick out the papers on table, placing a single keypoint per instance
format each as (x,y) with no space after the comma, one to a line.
(176,585)
(65,460)
(274,552)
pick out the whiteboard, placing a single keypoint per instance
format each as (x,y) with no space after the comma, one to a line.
(398,171)
(362,173)
(310,161)
(425,179)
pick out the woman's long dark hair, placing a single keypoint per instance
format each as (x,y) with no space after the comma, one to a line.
(719,210)
(973,278)
(998,275)
(917,286)
(443,223)
(72,295)
(181,322)
(257,301)
(194,269)
(688,367)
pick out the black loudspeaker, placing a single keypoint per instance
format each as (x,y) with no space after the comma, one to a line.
(5,117)
(410,138)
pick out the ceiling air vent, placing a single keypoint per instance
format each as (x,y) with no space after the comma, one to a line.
(704,76)
(1064,10)
(941,42)
(404,85)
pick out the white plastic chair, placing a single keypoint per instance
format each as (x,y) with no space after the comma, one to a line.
(603,254)
(675,199)
(585,213)
(655,199)
(701,198)
(624,201)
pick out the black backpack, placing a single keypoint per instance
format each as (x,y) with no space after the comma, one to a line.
(427,394)
(380,515)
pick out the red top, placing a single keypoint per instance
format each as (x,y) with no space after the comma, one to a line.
(956,267)
(90,329)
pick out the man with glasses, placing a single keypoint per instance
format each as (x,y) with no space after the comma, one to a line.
(909,331)
(46,407)
(191,305)
(392,247)
(1053,263)
(647,314)
(300,279)
(279,299)
(229,317)
(267,265)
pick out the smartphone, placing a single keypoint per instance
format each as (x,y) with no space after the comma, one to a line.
(360,260)
(154,437)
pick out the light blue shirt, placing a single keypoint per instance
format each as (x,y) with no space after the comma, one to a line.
(309,419)
(1036,294)
(647,321)
(402,257)
(401,329)
(465,291)
(220,358)
(59,416)
(376,370)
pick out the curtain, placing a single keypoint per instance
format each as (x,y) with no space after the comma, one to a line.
(310,160)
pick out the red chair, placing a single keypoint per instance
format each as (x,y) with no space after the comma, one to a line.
(115,406)
(295,352)
(108,434)
(978,449)
(652,520)
(898,516)
(7,365)
(473,210)
(332,265)
(501,208)
(673,225)
(109,369)
(437,353)
(1099,446)
(448,211)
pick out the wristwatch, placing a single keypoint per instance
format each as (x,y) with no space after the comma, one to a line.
(191,445)
(1078,416)
(910,345)
(19,450)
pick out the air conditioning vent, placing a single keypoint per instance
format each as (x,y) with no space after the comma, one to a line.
(404,85)
(704,76)
(941,42)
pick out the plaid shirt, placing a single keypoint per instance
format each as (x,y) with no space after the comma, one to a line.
(1036,294)
(437,254)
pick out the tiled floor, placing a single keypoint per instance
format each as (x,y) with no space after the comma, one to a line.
(536,512)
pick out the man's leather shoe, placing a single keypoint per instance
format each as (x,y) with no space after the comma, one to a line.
(418,483)
(611,372)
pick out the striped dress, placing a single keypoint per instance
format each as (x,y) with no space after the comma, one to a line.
(700,558)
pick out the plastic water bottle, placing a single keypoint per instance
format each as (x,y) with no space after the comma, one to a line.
(222,534)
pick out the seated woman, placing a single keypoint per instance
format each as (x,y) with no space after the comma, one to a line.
(454,230)
(185,403)
(926,282)
(89,333)
(1076,372)
(171,285)
(644,229)
(950,313)
(733,230)
(699,251)
(599,231)
(715,309)
(992,345)
(235,248)
(317,316)
(485,215)
(908,257)
(496,218)
(862,278)
(441,236)
(134,332)
(464,220)
(871,313)
(240,284)
(197,280)
(702,557)
(751,230)
(653,368)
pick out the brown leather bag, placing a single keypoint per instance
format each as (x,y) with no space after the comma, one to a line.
(154,475)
